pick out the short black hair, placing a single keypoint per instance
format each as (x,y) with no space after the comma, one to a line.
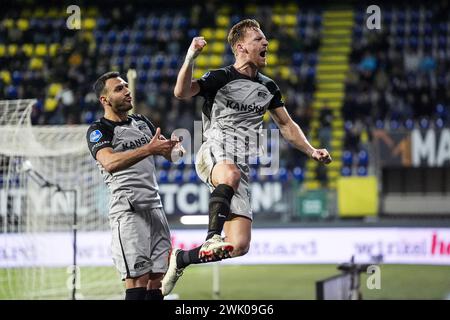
(100,83)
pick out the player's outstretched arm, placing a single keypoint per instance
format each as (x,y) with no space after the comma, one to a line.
(116,161)
(185,86)
(294,135)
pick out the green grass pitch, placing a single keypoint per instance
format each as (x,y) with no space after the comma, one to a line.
(256,282)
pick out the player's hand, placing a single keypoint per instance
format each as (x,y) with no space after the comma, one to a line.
(177,152)
(159,145)
(197,45)
(321,155)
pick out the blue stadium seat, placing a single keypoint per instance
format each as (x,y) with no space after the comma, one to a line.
(166,164)
(178,176)
(346,171)
(347,158)
(298,174)
(12,92)
(363,158)
(142,76)
(89,117)
(112,37)
(138,37)
(141,23)
(192,33)
(297,59)
(394,124)
(441,111)
(145,62)
(253,174)
(193,177)
(362,171)
(439,123)
(283,175)
(424,123)
(125,37)
(17,77)
(154,23)
(99,36)
(163,176)
(409,124)
(173,62)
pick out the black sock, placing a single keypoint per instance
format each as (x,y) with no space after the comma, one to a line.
(185,258)
(154,294)
(219,209)
(135,293)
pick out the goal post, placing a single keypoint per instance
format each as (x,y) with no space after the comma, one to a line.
(36,219)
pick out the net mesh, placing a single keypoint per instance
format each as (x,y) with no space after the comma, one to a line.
(33,213)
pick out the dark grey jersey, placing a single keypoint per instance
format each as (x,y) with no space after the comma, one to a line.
(137,184)
(234,108)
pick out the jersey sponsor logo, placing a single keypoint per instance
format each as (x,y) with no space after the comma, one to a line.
(135,144)
(142,126)
(100,144)
(95,136)
(139,265)
(245,107)
(262,94)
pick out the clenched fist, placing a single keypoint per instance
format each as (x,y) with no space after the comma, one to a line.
(321,155)
(197,45)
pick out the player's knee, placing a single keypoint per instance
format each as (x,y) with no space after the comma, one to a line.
(240,249)
(232,177)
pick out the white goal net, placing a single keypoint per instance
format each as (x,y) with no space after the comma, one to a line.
(47,178)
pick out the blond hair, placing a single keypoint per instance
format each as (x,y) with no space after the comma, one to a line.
(237,32)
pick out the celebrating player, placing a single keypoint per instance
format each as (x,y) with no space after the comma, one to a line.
(236,98)
(123,147)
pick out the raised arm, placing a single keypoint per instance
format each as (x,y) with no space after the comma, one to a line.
(294,135)
(116,161)
(186,87)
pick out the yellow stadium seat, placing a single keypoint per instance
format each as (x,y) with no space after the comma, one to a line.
(221,34)
(222,21)
(272,59)
(277,19)
(274,44)
(36,63)
(217,47)
(202,61)
(23,24)
(28,49)
(89,23)
(53,49)
(207,33)
(285,72)
(8,23)
(198,73)
(2,50)
(12,49)
(5,76)
(290,20)
(215,61)
(54,89)
(50,104)
(41,50)
(269,71)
